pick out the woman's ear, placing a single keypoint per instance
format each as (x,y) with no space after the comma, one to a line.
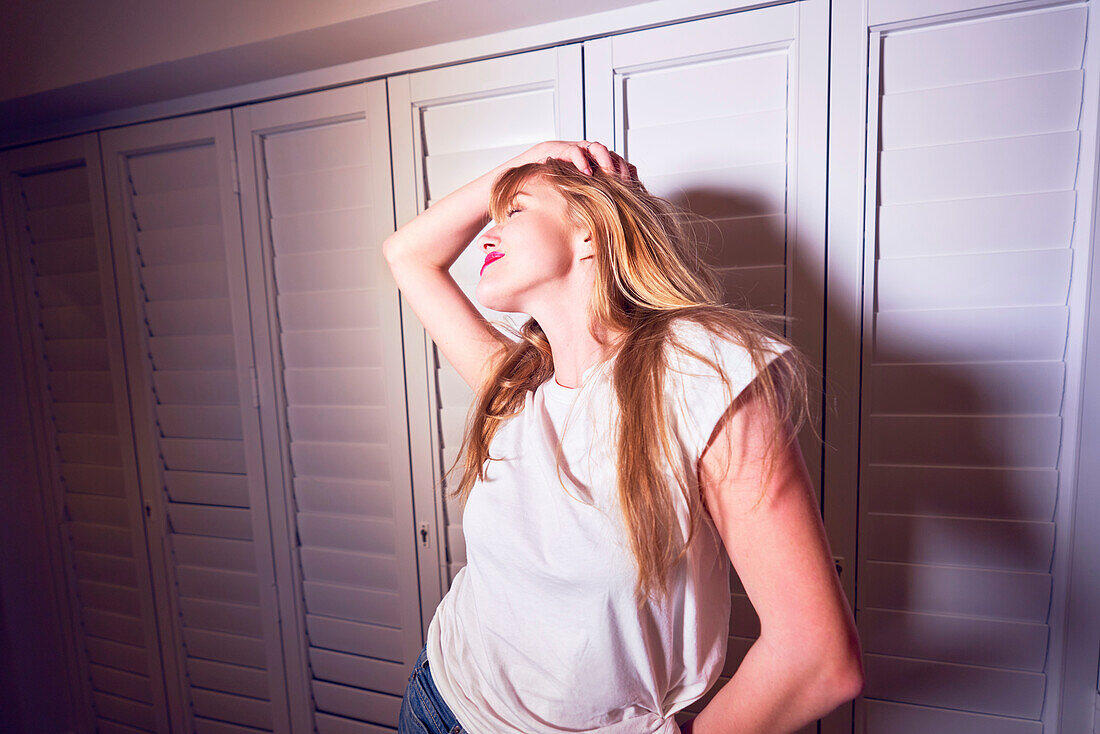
(587,247)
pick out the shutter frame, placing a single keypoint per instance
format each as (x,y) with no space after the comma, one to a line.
(86,628)
(193,193)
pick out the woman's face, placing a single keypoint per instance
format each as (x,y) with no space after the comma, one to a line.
(541,249)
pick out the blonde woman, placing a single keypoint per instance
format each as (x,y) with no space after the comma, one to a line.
(634,439)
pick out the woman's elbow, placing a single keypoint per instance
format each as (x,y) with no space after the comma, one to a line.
(849,682)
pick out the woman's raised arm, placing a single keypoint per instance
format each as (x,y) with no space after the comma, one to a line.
(421,253)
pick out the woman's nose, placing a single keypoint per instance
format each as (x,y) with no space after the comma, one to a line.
(488,242)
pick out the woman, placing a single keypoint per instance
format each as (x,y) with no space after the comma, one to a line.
(636,438)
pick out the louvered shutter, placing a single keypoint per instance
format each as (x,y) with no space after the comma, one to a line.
(710,113)
(450,126)
(176,239)
(317,200)
(61,259)
(967,285)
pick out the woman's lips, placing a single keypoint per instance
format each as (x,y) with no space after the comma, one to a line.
(491,257)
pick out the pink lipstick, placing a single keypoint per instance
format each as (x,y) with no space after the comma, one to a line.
(491,257)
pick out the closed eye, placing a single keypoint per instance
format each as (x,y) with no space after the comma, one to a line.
(513,211)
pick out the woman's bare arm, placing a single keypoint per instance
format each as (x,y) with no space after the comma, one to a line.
(421,253)
(807,660)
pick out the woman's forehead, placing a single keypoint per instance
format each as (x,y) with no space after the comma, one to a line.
(537,187)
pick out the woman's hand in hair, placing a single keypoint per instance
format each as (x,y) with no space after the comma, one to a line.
(582,154)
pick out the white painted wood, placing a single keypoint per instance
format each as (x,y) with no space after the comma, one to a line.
(724,117)
(971,353)
(438,122)
(61,265)
(186,318)
(317,203)
(58,243)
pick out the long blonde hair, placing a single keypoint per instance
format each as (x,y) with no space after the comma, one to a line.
(648,274)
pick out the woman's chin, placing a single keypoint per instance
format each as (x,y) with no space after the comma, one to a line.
(495,301)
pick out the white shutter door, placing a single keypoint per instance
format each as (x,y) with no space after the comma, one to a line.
(966,287)
(61,257)
(317,200)
(178,251)
(450,126)
(711,114)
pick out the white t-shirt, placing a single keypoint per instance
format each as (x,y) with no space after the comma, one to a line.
(539,632)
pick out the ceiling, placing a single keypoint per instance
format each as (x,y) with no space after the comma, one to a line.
(69,59)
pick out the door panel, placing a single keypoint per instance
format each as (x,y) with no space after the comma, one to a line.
(450,126)
(968,293)
(317,205)
(722,118)
(177,247)
(61,260)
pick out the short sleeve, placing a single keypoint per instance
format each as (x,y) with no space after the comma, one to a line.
(696,391)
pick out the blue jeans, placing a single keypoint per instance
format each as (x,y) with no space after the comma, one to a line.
(422,709)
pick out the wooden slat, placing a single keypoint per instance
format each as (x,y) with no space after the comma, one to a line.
(173,169)
(180,245)
(211,552)
(195,387)
(500,120)
(354,637)
(317,148)
(311,191)
(235,709)
(719,142)
(357,604)
(982,110)
(347,701)
(341,461)
(226,648)
(242,681)
(347,497)
(981,689)
(1020,165)
(62,186)
(737,85)
(944,55)
(236,619)
(217,584)
(345,567)
(1022,645)
(1033,221)
(355,424)
(901,718)
(321,231)
(329,309)
(177,208)
(339,270)
(335,386)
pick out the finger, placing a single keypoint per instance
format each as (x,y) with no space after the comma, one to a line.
(580,160)
(624,169)
(602,156)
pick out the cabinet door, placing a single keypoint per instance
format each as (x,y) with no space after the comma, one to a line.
(448,127)
(725,117)
(971,356)
(60,256)
(176,236)
(316,195)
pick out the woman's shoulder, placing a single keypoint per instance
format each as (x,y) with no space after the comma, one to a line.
(702,385)
(726,344)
